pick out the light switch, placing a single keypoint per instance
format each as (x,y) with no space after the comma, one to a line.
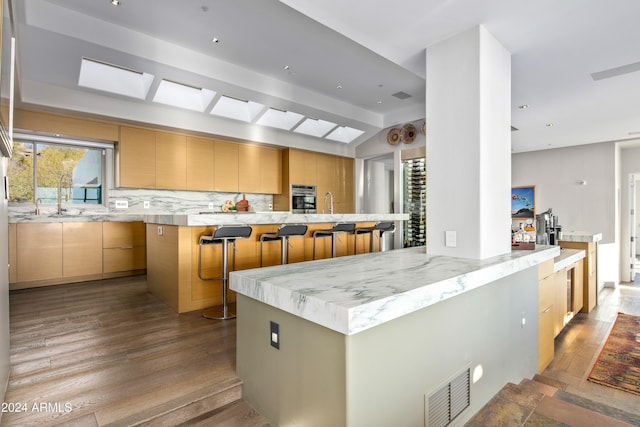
(146,204)
(450,239)
(275,334)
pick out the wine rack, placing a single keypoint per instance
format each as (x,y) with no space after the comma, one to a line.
(415,195)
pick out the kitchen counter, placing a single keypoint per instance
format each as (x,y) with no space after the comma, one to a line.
(264,218)
(567,257)
(352,294)
(20,217)
(580,236)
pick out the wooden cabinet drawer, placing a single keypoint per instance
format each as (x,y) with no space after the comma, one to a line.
(123,234)
(124,259)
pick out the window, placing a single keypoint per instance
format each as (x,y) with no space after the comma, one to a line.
(41,168)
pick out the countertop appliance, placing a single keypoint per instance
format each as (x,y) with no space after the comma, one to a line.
(548,231)
(303,199)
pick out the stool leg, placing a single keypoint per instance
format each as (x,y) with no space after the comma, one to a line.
(373,241)
(223,312)
(333,245)
(284,240)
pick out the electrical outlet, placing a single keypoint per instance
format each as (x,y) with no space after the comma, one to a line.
(211,205)
(122,204)
(146,204)
(450,239)
(160,230)
(275,335)
(270,206)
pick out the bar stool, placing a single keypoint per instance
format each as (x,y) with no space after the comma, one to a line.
(283,234)
(224,236)
(346,227)
(381,227)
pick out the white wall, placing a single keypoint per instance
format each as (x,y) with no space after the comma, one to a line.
(557,174)
(629,164)
(4,286)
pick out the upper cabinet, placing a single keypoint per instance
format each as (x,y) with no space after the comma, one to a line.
(327,172)
(137,153)
(171,161)
(163,160)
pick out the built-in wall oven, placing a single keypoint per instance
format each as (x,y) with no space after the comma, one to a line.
(303,199)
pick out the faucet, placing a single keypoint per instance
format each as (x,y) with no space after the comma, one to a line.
(328,193)
(62,177)
(38,201)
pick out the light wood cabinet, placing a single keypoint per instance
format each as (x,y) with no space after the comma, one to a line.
(546,299)
(249,169)
(38,251)
(226,167)
(325,181)
(137,154)
(171,161)
(589,269)
(577,280)
(302,167)
(124,247)
(43,254)
(344,185)
(81,249)
(271,171)
(200,164)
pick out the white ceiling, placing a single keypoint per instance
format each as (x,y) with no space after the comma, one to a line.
(371,48)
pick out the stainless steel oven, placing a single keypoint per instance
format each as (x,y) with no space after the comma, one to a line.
(303,199)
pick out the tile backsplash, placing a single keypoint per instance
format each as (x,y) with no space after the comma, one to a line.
(164,202)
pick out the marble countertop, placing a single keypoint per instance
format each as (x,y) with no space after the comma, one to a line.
(251,218)
(566,258)
(73,217)
(353,293)
(580,236)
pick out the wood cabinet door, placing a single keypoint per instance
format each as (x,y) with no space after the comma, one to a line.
(171,161)
(271,171)
(545,338)
(302,167)
(226,167)
(249,168)
(137,157)
(81,248)
(123,234)
(39,251)
(560,303)
(200,166)
(344,185)
(578,287)
(13,258)
(325,181)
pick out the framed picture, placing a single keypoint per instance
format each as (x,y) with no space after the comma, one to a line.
(523,202)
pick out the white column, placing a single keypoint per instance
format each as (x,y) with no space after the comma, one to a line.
(468,116)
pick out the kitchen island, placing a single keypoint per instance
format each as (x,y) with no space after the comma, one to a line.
(368,340)
(172,250)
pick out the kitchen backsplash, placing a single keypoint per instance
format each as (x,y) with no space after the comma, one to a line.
(160,202)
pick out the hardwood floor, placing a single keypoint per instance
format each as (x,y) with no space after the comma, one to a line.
(110,353)
(118,356)
(579,344)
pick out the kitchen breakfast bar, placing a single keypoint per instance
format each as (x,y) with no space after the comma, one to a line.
(173,249)
(377,339)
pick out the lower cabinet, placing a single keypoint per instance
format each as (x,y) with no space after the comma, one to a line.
(42,254)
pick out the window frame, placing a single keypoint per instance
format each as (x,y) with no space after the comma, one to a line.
(108,166)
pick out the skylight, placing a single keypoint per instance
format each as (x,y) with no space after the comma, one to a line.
(183,96)
(279,119)
(315,127)
(114,79)
(344,134)
(238,109)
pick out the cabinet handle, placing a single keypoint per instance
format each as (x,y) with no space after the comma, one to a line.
(548,309)
(126,247)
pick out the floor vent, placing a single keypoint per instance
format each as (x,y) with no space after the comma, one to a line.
(447,403)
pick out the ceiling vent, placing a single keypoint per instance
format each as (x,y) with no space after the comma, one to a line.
(401,95)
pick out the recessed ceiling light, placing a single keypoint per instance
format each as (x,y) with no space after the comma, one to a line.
(379,101)
(115,2)
(339,87)
(523,106)
(215,40)
(286,67)
(549,125)
(183,96)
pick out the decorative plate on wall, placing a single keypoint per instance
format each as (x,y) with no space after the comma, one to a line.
(408,133)
(393,136)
